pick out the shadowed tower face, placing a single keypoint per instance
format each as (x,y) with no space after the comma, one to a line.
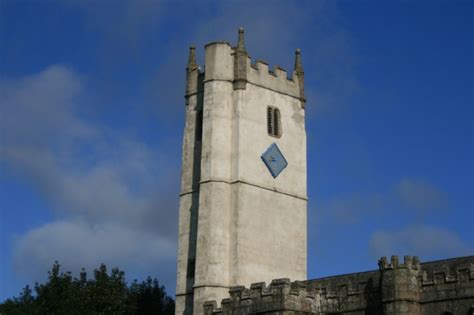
(243,201)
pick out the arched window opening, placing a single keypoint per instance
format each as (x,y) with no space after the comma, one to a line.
(273,122)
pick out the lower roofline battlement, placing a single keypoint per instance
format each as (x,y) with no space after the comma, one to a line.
(351,292)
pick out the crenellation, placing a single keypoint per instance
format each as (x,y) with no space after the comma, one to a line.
(236,65)
(383,263)
(446,281)
(261,64)
(394,260)
(390,290)
(262,68)
(281,294)
(246,295)
(353,291)
(342,290)
(236,292)
(298,288)
(416,262)
(440,276)
(465,273)
(446,275)
(281,73)
(281,283)
(330,294)
(276,79)
(226,306)
(409,262)
(257,290)
(425,281)
(356,287)
(210,307)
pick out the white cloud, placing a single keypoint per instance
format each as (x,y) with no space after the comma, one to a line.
(352,209)
(98,179)
(116,196)
(37,107)
(77,244)
(421,195)
(428,242)
(409,196)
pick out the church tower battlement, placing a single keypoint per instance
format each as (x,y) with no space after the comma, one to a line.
(243,200)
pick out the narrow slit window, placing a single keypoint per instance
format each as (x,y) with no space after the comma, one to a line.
(273,122)
(199,125)
(191,268)
(269,120)
(276,122)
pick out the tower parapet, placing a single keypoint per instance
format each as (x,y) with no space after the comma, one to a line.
(233,64)
(409,262)
(277,79)
(400,285)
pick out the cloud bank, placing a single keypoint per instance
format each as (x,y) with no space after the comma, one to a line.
(411,197)
(407,216)
(108,189)
(429,242)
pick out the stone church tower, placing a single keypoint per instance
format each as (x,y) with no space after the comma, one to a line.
(243,200)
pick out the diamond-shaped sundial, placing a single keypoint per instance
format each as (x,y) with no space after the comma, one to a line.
(274,160)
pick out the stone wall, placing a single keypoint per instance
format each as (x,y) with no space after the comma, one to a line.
(356,293)
(447,286)
(438,287)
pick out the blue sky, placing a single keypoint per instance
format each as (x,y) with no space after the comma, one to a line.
(92,114)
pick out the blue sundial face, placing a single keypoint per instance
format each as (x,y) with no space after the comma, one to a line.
(274,160)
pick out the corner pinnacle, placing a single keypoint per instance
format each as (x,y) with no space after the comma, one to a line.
(298,66)
(240,41)
(298,71)
(192,58)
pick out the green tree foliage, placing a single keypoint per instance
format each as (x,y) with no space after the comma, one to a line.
(103,294)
